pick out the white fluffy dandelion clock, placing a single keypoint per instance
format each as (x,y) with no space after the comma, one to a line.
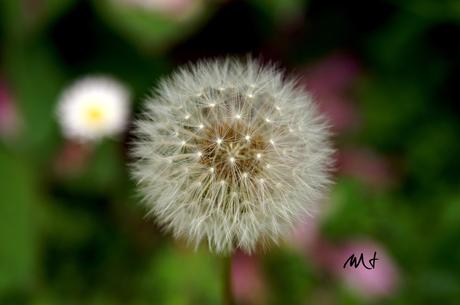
(92,108)
(232,153)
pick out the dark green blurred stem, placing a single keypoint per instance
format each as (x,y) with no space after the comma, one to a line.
(227,280)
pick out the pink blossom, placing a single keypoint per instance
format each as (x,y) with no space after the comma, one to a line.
(247,279)
(9,117)
(72,158)
(330,81)
(380,281)
(305,234)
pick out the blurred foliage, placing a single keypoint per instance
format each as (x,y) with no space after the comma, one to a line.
(146,28)
(80,236)
(18,228)
(279,10)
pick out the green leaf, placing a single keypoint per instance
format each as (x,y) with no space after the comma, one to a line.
(145,28)
(290,277)
(24,18)
(105,170)
(36,79)
(440,10)
(280,9)
(18,227)
(351,212)
(390,107)
(177,277)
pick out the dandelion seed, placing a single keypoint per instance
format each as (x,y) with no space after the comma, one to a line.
(233,169)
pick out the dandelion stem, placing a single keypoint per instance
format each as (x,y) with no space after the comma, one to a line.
(227,280)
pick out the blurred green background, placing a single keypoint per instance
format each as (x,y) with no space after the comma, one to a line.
(72,230)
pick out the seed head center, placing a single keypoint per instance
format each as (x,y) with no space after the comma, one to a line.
(231,154)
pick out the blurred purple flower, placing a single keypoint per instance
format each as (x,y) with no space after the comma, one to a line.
(10,123)
(247,279)
(329,81)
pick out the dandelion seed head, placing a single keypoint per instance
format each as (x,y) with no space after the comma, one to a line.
(240,166)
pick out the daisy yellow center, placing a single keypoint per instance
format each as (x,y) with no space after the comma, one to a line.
(94,115)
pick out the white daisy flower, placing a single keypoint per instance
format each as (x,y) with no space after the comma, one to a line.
(231,152)
(92,108)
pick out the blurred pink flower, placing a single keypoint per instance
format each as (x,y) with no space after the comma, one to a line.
(378,282)
(366,166)
(247,279)
(72,158)
(329,81)
(9,118)
(305,235)
(373,283)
